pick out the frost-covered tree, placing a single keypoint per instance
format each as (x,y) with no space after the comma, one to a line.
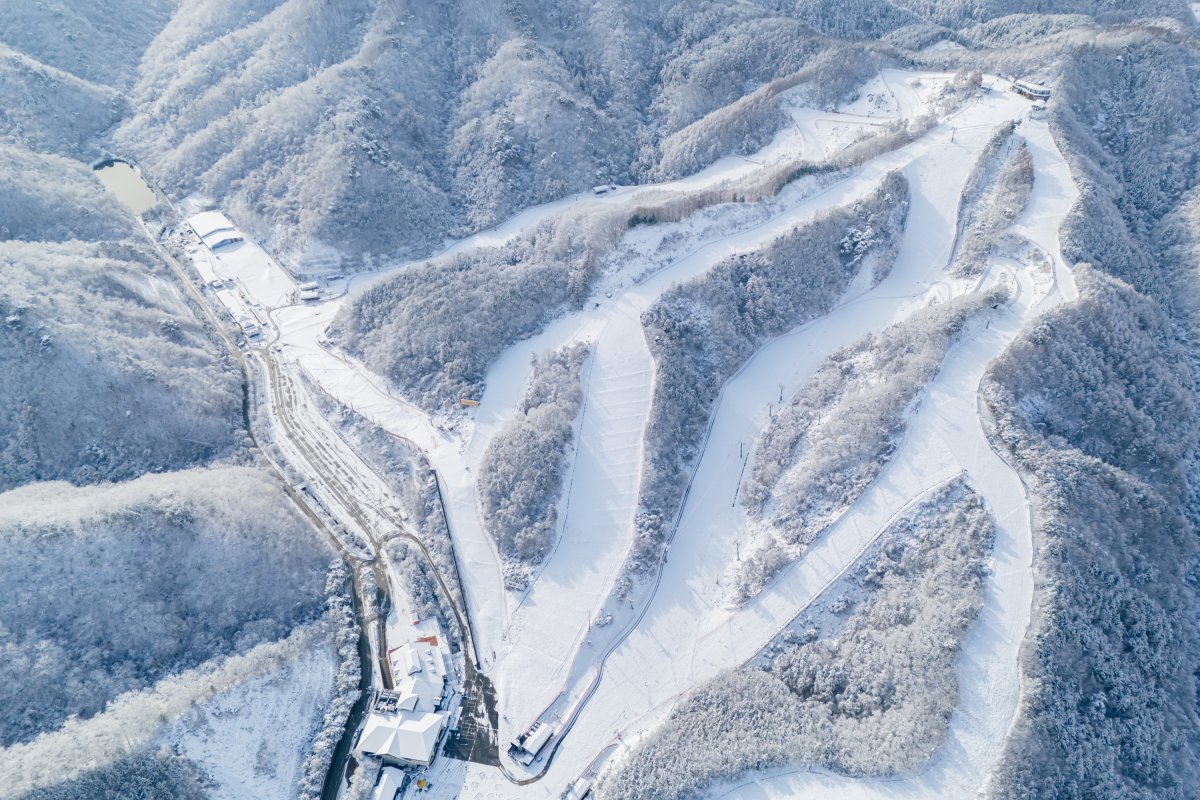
(147,775)
(701,332)
(521,476)
(862,682)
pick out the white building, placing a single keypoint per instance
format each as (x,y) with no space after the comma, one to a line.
(402,738)
(389,784)
(405,725)
(579,789)
(419,670)
(261,279)
(214,229)
(1031,90)
(525,748)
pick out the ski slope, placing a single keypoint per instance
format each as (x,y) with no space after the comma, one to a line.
(609,684)
(687,636)
(948,431)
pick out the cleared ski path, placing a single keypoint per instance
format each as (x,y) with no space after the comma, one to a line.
(548,643)
(530,643)
(687,638)
(948,431)
(537,645)
(543,631)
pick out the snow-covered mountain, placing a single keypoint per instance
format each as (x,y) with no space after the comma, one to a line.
(766,399)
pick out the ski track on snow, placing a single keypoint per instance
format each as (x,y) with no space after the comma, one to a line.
(536,647)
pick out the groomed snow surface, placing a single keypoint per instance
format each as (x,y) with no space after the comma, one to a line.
(542,650)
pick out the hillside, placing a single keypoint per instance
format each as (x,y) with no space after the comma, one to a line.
(107,373)
(183,555)
(721,399)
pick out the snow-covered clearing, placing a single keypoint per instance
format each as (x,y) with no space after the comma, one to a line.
(132,720)
(252,738)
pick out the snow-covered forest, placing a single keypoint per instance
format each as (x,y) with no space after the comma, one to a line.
(520,479)
(310,152)
(74,404)
(137,524)
(853,308)
(701,332)
(152,774)
(862,682)
(184,558)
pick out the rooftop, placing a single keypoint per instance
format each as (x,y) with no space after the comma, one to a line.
(406,736)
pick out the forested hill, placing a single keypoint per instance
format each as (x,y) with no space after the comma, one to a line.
(382,129)
(1098,404)
(139,523)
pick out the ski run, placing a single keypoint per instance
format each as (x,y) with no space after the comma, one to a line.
(605,685)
